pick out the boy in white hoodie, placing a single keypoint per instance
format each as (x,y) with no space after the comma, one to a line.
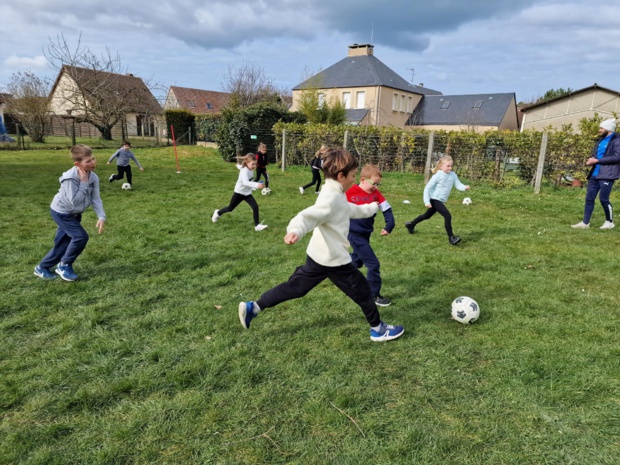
(328,250)
(79,188)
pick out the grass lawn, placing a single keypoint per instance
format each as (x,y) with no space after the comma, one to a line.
(143,359)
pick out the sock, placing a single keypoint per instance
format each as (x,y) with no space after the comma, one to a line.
(376,328)
(255,308)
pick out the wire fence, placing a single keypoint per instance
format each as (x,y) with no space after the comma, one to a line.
(501,158)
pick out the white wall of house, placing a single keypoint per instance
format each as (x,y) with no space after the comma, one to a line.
(377,99)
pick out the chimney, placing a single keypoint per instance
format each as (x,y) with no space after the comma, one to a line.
(360,50)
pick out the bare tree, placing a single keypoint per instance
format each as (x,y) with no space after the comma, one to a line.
(248,85)
(29,103)
(98,90)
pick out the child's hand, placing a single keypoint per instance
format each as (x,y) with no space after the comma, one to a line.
(99,225)
(427,205)
(260,185)
(384,232)
(107,163)
(141,169)
(83,174)
(466,188)
(291,238)
(591,161)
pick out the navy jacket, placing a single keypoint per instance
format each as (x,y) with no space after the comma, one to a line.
(610,163)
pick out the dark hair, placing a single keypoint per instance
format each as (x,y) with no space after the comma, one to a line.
(126,142)
(81,151)
(338,160)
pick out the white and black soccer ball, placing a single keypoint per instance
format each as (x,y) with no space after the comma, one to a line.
(465,310)
(126,186)
(466,201)
(266,191)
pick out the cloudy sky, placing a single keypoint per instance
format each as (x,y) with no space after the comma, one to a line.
(453,46)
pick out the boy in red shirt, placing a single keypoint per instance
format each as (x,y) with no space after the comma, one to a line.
(360,229)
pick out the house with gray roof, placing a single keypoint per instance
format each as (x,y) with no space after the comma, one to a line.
(477,112)
(571,108)
(370,91)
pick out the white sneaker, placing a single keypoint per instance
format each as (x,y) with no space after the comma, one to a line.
(608,225)
(215,217)
(301,190)
(260,227)
(580,225)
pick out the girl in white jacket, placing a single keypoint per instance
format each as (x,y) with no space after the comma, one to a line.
(243,191)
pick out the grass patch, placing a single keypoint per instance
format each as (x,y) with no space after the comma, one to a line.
(134,363)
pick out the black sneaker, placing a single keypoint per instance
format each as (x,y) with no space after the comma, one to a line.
(382,301)
(410,227)
(455,240)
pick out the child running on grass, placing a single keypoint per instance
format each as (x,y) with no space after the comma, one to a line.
(79,188)
(261,163)
(328,249)
(124,155)
(436,193)
(361,229)
(316,165)
(243,191)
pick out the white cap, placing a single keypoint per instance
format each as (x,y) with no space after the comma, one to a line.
(609,125)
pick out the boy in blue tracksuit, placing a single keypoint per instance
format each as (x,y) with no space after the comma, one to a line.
(124,155)
(360,229)
(79,189)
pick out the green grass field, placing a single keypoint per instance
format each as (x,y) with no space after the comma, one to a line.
(143,360)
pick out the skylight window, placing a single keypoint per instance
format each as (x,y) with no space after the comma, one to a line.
(478,104)
(209,106)
(445,105)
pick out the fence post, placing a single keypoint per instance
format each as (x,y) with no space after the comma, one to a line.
(346,138)
(429,157)
(283,148)
(541,163)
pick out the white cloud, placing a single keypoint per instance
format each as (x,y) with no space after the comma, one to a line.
(33,63)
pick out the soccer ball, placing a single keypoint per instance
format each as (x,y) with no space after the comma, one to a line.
(126,186)
(466,201)
(465,310)
(266,191)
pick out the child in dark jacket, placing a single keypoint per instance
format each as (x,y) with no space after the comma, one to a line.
(361,229)
(261,164)
(317,167)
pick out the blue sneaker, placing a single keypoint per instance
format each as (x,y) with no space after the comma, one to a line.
(44,273)
(66,272)
(386,333)
(246,313)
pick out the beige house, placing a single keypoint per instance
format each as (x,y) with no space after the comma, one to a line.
(371,92)
(197,101)
(93,99)
(571,108)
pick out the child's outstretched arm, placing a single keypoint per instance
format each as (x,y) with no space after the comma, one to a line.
(114,155)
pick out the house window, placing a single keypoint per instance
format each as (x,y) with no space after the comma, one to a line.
(395,102)
(445,105)
(321,100)
(209,106)
(402,103)
(190,103)
(360,99)
(409,104)
(478,104)
(346,99)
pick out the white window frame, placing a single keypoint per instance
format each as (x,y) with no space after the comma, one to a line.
(321,97)
(402,103)
(395,102)
(409,104)
(360,99)
(346,100)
